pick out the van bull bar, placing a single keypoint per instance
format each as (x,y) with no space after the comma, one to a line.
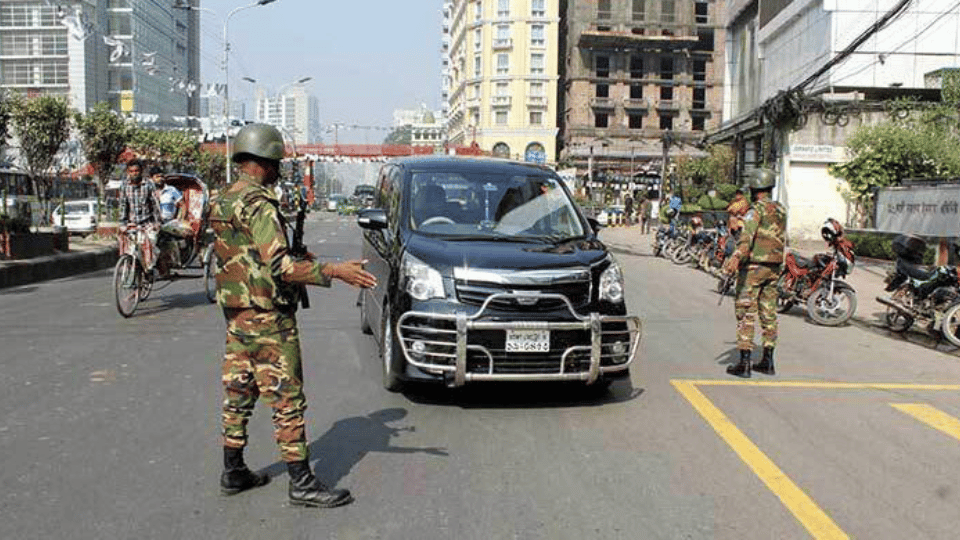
(439,343)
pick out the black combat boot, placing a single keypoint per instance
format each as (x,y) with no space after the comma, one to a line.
(765,365)
(236,476)
(741,369)
(307,490)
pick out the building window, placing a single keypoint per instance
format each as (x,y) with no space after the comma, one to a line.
(536,118)
(704,40)
(503,8)
(476,91)
(475,118)
(701,13)
(666,69)
(636,91)
(668,11)
(503,89)
(600,120)
(700,98)
(602,66)
(477,67)
(537,36)
(478,39)
(666,93)
(503,64)
(636,67)
(666,122)
(635,121)
(501,149)
(639,10)
(602,91)
(536,89)
(478,11)
(538,8)
(698,123)
(537,64)
(118,24)
(603,10)
(500,117)
(699,70)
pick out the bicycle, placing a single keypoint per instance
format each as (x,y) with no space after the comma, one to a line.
(133,278)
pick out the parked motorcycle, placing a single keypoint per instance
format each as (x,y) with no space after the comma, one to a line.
(921,296)
(818,282)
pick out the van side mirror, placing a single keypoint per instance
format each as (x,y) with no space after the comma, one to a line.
(374,219)
(594,224)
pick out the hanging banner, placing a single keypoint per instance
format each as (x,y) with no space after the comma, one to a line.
(922,210)
(126,101)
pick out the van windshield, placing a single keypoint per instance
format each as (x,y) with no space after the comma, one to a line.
(492,205)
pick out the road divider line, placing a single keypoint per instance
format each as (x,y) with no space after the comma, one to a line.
(827,385)
(811,516)
(932,417)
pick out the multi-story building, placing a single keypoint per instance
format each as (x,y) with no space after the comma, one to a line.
(425,126)
(293,110)
(503,77)
(804,75)
(143,57)
(642,81)
(445,80)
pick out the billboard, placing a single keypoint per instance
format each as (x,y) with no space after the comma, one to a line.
(922,210)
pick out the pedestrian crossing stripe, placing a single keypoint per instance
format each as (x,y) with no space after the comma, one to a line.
(804,509)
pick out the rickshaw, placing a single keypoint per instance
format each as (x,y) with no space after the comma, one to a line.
(180,243)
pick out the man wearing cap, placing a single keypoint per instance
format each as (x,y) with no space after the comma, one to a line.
(258,284)
(758,259)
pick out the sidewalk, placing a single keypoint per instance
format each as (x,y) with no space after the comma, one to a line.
(84,256)
(866,278)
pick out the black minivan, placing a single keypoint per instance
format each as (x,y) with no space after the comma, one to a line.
(488,271)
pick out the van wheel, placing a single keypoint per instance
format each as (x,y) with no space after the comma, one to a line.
(390,354)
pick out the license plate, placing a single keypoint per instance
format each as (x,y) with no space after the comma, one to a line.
(528,341)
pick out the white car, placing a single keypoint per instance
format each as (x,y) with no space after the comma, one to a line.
(81,216)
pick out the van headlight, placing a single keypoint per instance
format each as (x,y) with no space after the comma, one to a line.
(611,284)
(421,281)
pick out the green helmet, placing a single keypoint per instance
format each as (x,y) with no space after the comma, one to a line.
(259,140)
(761,178)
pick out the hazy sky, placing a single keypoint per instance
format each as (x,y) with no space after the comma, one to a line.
(366,57)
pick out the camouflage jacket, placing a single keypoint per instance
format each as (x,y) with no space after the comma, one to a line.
(255,269)
(764,234)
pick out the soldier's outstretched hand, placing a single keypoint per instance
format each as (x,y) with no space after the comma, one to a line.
(352,273)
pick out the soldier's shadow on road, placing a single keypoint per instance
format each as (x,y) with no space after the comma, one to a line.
(731,356)
(348,441)
(161,302)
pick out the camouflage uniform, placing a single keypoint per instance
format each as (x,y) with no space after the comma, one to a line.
(760,249)
(257,283)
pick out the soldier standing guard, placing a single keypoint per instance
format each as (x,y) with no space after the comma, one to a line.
(759,260)
(258,288)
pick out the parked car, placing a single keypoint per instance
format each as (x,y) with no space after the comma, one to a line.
(81,216)
(334,200)
(488,271)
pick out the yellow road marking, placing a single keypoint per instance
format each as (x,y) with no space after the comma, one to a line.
(826,385)
(814,519)
(932,417)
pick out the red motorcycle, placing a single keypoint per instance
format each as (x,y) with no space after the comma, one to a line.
(817,282)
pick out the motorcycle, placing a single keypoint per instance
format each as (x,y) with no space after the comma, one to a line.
(818,282)
(921,296)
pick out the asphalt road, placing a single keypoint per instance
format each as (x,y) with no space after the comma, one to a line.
(109,428)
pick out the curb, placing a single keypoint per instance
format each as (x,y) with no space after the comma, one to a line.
(16,273)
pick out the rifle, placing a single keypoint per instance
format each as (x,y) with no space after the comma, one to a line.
(727,281)
(298,249)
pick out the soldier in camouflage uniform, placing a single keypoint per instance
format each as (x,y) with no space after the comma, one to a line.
(759,259)
(258,285)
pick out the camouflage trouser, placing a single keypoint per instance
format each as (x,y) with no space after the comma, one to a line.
(268,366)
(757,298)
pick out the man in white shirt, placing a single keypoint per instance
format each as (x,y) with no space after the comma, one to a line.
(169,198)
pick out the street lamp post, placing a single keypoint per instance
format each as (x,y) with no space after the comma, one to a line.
(226,68)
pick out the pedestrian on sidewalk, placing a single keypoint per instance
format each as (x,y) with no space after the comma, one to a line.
(628,210)
(645,214)
(259,287)
(758,260)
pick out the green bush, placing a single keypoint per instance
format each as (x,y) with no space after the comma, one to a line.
(707,202)
(880,246)
(726,191)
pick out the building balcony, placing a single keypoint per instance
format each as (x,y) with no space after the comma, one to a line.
(610,39)
(668,105)
(601,103)
(636,104)
(501,101)
(500,44)
(536,101)
(473,103)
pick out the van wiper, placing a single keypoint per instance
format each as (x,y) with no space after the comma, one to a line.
(497,238)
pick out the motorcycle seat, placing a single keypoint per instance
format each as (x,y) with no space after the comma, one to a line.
(915,271)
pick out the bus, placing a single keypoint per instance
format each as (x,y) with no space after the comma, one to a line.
(20,200)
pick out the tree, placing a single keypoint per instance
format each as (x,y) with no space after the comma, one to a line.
(177,149)
(105,136)
(211,167)
(4,120)
(400,135)
(42,124)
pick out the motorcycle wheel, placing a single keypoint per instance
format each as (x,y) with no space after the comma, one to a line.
(835,309)
(950,327)
(681,255)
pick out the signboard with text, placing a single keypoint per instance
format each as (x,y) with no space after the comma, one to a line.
(926,210)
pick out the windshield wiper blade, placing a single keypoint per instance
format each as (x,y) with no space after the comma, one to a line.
(496,238)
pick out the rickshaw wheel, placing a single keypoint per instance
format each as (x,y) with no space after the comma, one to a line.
(209,274)
(127,284)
